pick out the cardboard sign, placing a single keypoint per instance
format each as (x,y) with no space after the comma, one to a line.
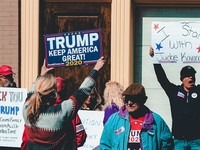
(176,42)
(73,48)
(11,120)
(93,125)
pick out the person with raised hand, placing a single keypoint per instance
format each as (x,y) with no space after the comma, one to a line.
(185,106)
(48,126)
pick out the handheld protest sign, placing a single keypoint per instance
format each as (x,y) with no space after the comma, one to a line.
(93,124)
(11,118)
(73,48)
(176,42)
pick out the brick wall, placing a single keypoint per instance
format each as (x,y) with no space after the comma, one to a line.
(9,31)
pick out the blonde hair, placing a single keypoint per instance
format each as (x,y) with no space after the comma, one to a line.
(113,93)
(43,86)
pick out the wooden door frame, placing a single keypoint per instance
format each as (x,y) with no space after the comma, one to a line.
(121,36)
(79,1)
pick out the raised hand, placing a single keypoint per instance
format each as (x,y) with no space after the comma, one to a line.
(44,69)
(99,63)
(151,52)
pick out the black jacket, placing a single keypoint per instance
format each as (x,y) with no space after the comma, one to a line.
(185,107)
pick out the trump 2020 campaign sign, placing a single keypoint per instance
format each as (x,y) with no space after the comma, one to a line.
(73,48)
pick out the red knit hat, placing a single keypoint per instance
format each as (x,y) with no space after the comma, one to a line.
(5,70)
(60,84)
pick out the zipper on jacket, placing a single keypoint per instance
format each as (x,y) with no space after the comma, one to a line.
(187,97)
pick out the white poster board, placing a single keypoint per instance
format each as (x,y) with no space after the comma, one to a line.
(11,120)
(93,124)
(176,42)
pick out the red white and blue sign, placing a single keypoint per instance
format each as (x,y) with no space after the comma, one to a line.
(73,48)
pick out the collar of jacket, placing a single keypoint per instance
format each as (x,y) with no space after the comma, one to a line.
(148,121)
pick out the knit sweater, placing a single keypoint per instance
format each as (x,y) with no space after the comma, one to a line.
(54,128)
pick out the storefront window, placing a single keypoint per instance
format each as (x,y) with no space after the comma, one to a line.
(143,67)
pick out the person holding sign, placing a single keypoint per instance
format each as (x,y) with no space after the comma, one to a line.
(7,80)
(45,123)
(135,127)
(78,128)
(6,76)
(185,106)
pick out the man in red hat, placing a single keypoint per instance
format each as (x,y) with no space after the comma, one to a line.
(7,80)
(6,76)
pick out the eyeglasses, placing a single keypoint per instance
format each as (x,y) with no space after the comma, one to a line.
(92,95)
(6,79)
(2,76)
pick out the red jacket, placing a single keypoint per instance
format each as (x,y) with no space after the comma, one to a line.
(80,131)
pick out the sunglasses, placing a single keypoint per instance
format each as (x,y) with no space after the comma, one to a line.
(133,99)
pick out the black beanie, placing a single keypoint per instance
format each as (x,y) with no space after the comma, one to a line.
(187,71)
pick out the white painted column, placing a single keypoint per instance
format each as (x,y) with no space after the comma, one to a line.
(121,42)
(29,41)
